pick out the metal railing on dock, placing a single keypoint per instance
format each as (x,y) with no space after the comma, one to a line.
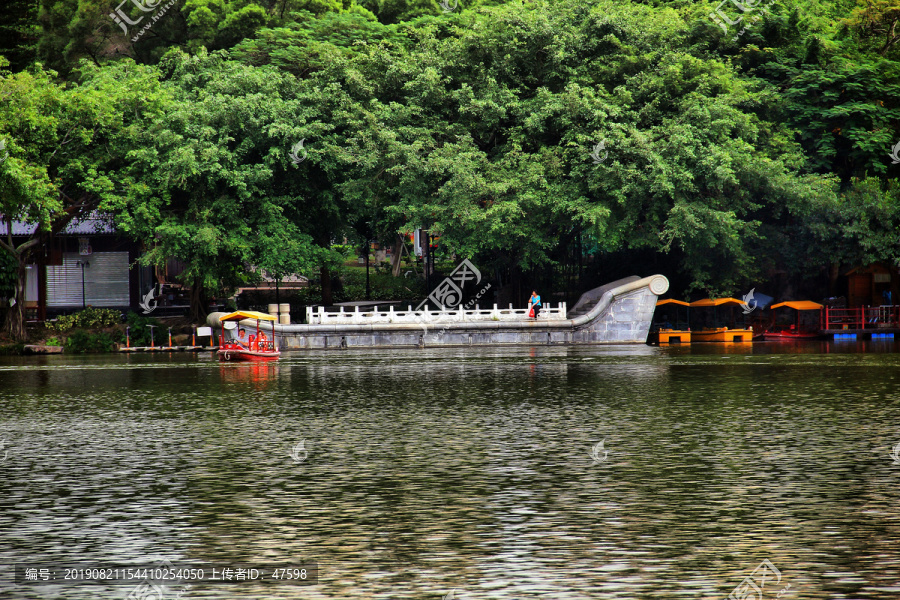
(169,349)
(153,347)
(862,317)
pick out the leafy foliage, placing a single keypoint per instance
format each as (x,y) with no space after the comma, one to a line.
(512,130)
(89,318)
(202,176)
(139,330)
(81,342)
(65,148)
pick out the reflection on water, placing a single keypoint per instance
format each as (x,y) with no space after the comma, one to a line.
(432,470)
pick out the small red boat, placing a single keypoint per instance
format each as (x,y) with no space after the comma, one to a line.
(257,348)
(795,331)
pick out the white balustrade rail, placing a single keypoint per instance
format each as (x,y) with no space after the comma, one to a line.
(318,315)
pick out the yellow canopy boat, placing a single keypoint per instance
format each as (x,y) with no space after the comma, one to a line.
(721,334)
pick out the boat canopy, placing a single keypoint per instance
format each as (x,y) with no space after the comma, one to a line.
(718,302)
(247,314)
(673,301)
(800,305)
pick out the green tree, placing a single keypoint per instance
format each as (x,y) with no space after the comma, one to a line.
(485,136)
(66,147)
(858,227)
(19,33)
(877,20)
(202,173)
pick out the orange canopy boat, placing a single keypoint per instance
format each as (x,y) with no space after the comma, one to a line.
(665,332)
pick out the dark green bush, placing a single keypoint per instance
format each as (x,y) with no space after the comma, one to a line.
(11,349)
(384,286)
(139,332)
(81,342)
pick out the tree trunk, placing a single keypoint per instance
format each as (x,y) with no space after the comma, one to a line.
(15,316)
(833,274)
(327,298)
(396,257)
(198,303)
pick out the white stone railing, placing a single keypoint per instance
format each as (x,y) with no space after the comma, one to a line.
(318,315)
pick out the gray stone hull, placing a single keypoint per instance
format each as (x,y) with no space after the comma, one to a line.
(620,313)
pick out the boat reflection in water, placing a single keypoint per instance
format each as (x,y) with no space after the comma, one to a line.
(260,375)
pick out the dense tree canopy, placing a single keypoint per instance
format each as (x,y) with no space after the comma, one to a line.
(733,146)
(65,149)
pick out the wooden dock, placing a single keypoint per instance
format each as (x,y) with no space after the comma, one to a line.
(169,349)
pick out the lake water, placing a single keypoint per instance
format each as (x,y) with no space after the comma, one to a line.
(465,474)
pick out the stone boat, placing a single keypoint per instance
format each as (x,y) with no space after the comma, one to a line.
(616,313)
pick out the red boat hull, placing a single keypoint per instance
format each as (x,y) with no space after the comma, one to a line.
(247,355)
(789,335)
(231,352)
